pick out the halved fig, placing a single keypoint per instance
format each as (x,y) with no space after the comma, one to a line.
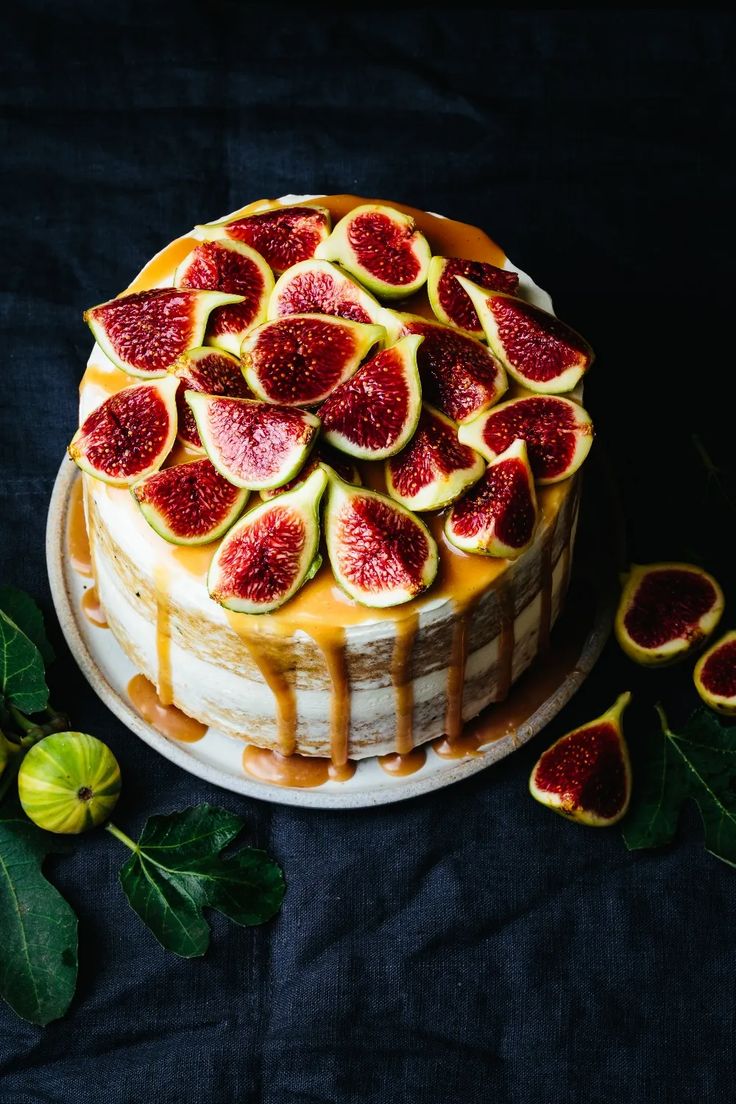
(586,775)
(318,287)
(209,370)
(253,444)
(539,351)
(320,455)
(283,236)
(374,414)
(557,431)
(381,554)
(233,267)
(450,303)
(271,552)
(434,469)
(189,503)
(666,611)
(459,375)
(382,248)
(498,516)
(300,360)
(129,435)
(715,675)
(146,332)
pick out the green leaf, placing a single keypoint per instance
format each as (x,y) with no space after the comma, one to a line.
(697,763)
(38,929)
(21,609)
(22,680)
(176,871)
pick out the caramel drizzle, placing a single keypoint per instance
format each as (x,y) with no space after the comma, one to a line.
(297,771)
(166,719)
(506,644)
(400,765)
(92,608)
(163,635)
(456,670)
(401,676)
(331,641)
(278,682)
(80,555)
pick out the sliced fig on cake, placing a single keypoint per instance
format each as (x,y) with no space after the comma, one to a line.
(209,370)
(374,413)
(253,444)
(498,516)
(586,775)
(321,455)
(382,248)
(146,332)
(715,675)
(451,303)
(459,375)
(557,431)
(283,236)
(381,554)
(434,469)
(189,503)
(535,347)
(129,435)
(300,360)
(271,552)
(236,268)
(319,287)
(666,611)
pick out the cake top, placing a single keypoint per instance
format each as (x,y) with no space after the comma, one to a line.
(378,375)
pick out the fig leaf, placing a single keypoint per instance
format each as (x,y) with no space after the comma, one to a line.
(176,870)
(699,763)
(38,965)
(22,680)
(21,608)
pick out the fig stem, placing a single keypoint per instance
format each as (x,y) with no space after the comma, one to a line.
(663,719)
(120,835)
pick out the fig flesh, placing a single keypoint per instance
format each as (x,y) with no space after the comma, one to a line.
(253,444)
(459,375)
(300,360)
(146,332)
(715,675)
(557,431)
(209,370)
(382,248)
(450,303)
(283,236)
(434,469)
(381,554)
(535,347)
(189,503)
(321,455)
(374,413)
(319,287)
(498,516)
(235,268)
(271,552)
(586,775)
(666,611)
(129,435)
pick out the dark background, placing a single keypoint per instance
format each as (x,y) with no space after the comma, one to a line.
(469,945)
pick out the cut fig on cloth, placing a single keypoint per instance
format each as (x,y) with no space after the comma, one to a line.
(189,503)
(146,332)
(434,469)
(715,675)
(319,287)
(666,611)
(236,268)
(557,431)
(460,376)
(498,515)
(586,775)
(129,435)
(539,351)
(451,303)
(209,370)
(300,360)
(271,552)
(381,554)
(322,454)
(374,413)
(283,236)
(382,248)
(253,444)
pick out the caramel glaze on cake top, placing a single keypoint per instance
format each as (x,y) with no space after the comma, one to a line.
(321,609)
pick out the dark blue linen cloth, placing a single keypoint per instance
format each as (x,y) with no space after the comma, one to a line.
(467,946)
